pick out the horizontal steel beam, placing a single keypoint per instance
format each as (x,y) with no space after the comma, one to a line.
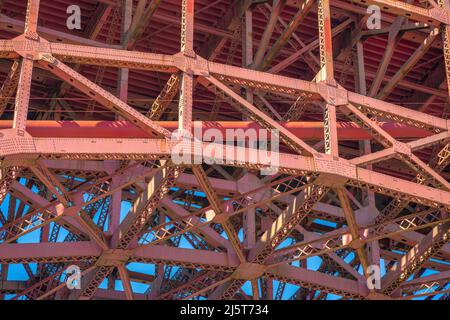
(48,252)
(66,148)
(122,130)
(187,258)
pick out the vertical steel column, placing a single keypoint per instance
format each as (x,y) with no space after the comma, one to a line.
(249,228)
(277,7)
(23,96)
(247,39)
(445,31)
(247,47)
(325,41)
(126,283)
(330,130)
(352,225)
(122,81)
(326,74)
(9,86)
(360,80)
(116,203)
(26,70)
(187,80)
(214,201)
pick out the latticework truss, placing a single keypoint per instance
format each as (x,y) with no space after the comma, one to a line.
(86,127)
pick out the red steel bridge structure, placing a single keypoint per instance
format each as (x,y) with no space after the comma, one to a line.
(86,122)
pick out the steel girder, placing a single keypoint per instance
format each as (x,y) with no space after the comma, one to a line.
(151,176)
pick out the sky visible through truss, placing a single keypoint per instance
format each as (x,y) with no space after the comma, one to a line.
(18,273)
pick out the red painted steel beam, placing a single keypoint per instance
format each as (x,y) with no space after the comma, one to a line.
(122,129)
(32,252)
(184,257)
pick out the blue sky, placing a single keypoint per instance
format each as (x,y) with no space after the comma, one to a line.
(17,271)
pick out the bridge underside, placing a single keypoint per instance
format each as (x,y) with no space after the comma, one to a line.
(88,177)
